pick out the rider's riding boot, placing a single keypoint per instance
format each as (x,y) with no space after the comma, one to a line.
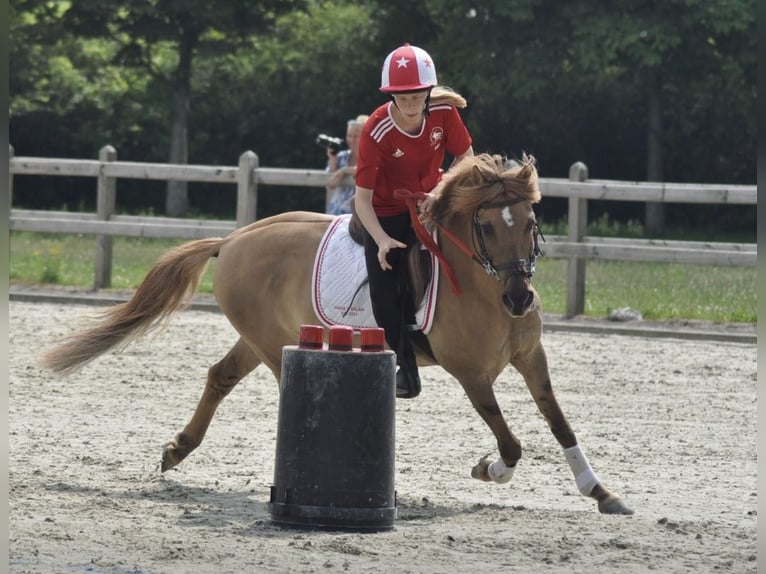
(407,379)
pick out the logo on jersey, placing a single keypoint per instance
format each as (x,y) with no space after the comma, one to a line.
(436,137)
(398,153)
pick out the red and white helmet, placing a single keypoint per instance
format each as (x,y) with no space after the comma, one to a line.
(407,68)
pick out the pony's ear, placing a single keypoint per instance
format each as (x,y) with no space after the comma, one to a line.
(478,174)
(528,168)
(529,173)
(525,172)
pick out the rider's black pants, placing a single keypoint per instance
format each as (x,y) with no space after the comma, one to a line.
(390,294)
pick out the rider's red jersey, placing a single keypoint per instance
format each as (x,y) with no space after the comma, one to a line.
(390,159)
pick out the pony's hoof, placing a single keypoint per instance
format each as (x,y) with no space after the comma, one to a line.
(481,470)
(169,459)
(613,505)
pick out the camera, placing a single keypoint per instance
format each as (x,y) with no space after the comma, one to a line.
(335,144)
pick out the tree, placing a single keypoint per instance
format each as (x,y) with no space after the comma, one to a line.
(315,71)
(147,29)
(569,70)
(666,50)
(68,99)
(566,81)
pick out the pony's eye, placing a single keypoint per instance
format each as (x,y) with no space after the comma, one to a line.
(487,230)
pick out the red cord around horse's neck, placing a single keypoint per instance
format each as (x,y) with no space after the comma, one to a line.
(411,199)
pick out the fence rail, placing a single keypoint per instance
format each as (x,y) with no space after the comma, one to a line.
(646,191)
(576,247)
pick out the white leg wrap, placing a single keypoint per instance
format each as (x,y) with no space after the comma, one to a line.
(585,478)
(500,473)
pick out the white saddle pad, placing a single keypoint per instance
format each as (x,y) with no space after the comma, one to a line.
(337,293)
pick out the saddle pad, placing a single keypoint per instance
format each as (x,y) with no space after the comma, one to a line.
(340,270)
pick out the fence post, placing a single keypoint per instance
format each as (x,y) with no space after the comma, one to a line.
(11,151)
(247,188)
(578,222)
(106,196)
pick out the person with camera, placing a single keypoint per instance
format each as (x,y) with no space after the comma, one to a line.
(403,147)
(340,163)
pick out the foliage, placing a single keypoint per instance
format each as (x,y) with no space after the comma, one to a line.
(157,36)
(563,81)
(284,88)
(570,78)
(65,89)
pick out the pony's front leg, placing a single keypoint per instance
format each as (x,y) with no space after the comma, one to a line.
(534,368)
(501,470)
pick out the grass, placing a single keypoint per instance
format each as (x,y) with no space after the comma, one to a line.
(68,260)
(657,290)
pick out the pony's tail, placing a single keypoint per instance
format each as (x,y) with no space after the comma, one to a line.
(167,288)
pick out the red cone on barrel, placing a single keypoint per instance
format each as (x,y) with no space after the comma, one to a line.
(311,337)
(373,339)
(341,338)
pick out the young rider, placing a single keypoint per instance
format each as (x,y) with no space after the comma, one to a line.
(403,147)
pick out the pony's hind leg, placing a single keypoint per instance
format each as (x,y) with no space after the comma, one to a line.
(534,369)
(221,379)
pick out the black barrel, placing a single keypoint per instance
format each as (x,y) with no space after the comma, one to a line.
(334,463)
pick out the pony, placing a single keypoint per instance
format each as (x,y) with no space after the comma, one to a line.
(489,317)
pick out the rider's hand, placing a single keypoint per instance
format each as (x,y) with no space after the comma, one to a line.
(424,205)
(384,247)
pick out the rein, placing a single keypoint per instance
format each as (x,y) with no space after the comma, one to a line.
(411,200)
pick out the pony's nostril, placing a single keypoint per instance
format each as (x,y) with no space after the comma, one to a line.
(518,306)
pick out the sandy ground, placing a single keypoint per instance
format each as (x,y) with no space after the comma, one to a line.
(668,423)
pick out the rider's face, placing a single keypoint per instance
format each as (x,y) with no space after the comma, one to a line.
(411,104)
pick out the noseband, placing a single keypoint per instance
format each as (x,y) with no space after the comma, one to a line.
(518,267)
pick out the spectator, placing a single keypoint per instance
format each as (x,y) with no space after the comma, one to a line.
(340,164)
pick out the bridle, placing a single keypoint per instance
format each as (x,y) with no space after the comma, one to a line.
(519,267)
(480,254)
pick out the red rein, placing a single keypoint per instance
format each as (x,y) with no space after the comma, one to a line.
(411,199)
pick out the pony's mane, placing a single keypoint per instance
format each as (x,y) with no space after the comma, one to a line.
(482,178)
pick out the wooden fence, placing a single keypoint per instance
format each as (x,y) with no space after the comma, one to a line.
(576,246)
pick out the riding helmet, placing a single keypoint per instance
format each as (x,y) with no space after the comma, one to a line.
(407,69)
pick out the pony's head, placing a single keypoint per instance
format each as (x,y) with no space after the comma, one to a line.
(497,201)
